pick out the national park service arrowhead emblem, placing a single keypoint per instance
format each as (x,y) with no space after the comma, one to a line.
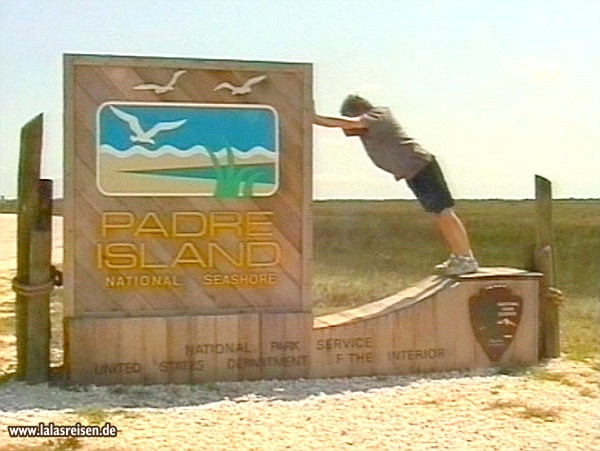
(495,316)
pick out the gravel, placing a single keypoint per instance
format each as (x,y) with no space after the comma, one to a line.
(553,407)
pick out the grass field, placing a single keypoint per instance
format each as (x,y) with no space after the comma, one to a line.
(364,251)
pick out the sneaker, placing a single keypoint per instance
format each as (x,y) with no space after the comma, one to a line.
(441,268)
(462,265)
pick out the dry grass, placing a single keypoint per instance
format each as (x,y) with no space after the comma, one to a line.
(368,250)
(364,251)
(527,411)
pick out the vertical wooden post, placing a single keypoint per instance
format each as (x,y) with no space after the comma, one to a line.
(33,282)
(544,263)
(41,283)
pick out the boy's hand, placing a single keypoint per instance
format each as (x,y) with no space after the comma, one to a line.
(354,131)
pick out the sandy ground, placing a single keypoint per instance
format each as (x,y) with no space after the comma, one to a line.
(555,406)
(8,269)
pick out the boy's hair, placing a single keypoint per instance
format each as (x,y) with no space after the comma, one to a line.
(354,105)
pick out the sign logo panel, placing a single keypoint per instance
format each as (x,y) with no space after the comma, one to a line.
(172,149)
(495,316)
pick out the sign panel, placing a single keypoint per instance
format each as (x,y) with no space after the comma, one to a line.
(495,314)
(187,186)
(224,151)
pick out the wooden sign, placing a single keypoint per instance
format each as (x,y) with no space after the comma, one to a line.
(188,186)
(424,328)
(188,240)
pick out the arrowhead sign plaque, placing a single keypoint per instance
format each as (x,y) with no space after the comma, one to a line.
(495,316)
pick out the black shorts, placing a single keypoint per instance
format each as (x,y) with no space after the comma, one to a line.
(430,188)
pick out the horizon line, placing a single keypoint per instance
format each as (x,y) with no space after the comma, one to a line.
(380,199)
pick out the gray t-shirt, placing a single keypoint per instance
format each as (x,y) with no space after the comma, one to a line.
(389,147)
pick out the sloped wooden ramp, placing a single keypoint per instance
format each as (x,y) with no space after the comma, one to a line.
(485,319)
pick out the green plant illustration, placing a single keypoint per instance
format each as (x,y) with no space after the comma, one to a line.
(233,180)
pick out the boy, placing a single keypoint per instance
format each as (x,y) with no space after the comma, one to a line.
(393,151)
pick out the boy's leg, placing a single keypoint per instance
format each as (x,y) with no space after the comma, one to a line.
(432,192)
(454,233)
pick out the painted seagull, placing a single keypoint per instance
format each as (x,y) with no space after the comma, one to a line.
(244,89)
(141,136)
(159,89)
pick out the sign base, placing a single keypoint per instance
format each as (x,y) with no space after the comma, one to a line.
(440,324)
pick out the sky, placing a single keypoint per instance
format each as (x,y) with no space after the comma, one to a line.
(498,90)
(241,128)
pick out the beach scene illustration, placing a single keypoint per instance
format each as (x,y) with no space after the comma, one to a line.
(160,149)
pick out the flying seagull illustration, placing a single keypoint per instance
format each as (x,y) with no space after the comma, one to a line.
(141,136)
(244,89)
(159,89)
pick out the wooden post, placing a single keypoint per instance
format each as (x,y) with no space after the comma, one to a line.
(549,343)
(34,280)
(41,284)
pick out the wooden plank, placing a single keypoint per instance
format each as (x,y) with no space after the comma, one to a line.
(285,345)
(323,363)
(545,263)
(82,59)
(543,196)
(248,364)
(361,354)
(453,350)
(130,350)
(227,348)
(33,283)
(40,276)
(69,210)
(401,300)
(179,369)
(405,339)
(461,345)
(344,350)
(154,343)
(271,331)
(108,339)
(385,329)
(28,192)
(424,342)
(81,357)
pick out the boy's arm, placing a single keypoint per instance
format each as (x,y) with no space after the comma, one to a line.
(354,124)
